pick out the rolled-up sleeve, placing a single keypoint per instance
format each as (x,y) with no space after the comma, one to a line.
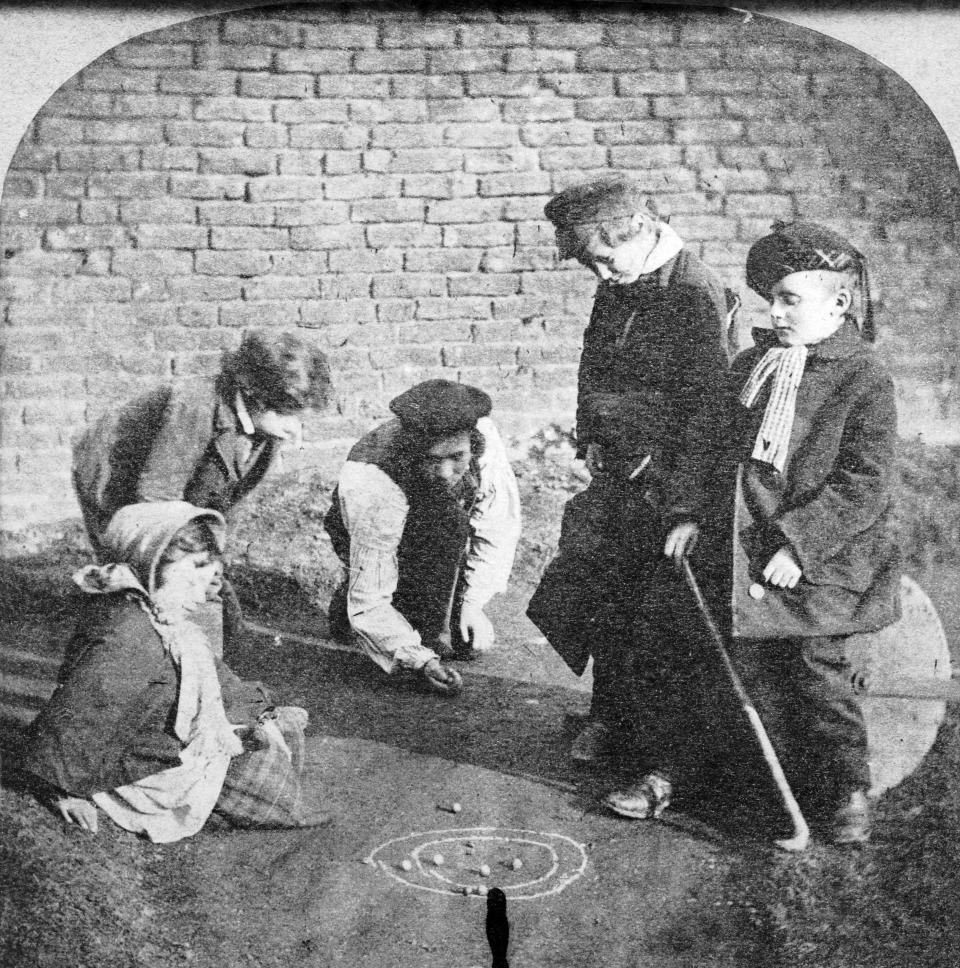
(374,511)
(494,522)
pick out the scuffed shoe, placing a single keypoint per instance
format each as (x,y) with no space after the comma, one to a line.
(645,800)
(851,822)
(591,743)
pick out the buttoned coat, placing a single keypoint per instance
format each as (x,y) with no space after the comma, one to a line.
(173,443)
(832,503)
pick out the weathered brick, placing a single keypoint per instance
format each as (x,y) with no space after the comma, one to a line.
(651,156)
(859,84)
(267,313)
(345,236)
(613,108)
(266,136)
(39,264)
(478,234)
(310,112)
(281,287)
(408,285)
(592,156)
(341,312)
(502,85)
(557,133)
(348,187)
(126,185)
(463,210)
(340,35)
(136,210)
(645,34)
(59,131)
(100,77)
(233,109)
(276,85)
(469,62)
(279,187)
(461,109)
(524,209)
(20,237)
(312,61)
(479,354)
(82,104)
(347,285)
(305,213)
(134,54)
(352,86)
(568,35)
(198,82)
(386,210)
(390,357)
(421,160)
(517,260)
(389,111)
(392,61)
(579,85)
(165,158)
(248,238)
(614,59)
(82,289)
(504,159)
(31,157)
(352,260)
(538,109)
(243,161)
(442,260)
(418,35)
(402,235)
(707,131)
(152,106)
(438,85)
(484,284)
(311,262)
(342,162)
(527,60)
(85,237)
(137,132)
(515,183)
(734,180)
(526,305)
(493,35)
(261,30)
(774,206)
(480,135)
(232,263)
(449,185)
(39,212)
(188,288)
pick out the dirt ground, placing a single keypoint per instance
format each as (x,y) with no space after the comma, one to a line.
(387,760)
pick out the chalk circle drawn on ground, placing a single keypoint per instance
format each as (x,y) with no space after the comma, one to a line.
(551,861)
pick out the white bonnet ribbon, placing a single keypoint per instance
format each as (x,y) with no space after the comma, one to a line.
(785,364)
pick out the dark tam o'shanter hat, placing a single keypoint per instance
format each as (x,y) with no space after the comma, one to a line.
(440,408)
(808,247)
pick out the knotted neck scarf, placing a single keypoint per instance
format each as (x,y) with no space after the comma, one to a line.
(784,365)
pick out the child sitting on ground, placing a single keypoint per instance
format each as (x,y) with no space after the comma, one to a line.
(802,452)
(146,724)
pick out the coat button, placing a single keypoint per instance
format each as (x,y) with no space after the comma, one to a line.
(756,591)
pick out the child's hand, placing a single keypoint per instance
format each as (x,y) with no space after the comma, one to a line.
(79,811)
(681,541)
(783,569)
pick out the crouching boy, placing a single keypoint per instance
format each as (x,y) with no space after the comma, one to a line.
(788,498)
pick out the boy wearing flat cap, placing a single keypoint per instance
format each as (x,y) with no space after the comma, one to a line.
(654,353)
(801,448)
(425,518)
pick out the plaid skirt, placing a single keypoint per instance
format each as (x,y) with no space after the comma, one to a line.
(262,786)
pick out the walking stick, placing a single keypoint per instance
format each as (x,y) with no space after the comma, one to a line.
(801,832)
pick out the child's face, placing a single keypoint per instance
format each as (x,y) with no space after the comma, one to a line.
(619,263)
(287,427)
(808,307)
(186,582)
(447,460)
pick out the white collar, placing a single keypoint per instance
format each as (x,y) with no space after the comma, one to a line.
(243,415)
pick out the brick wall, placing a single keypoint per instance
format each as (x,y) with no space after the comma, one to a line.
(376,176)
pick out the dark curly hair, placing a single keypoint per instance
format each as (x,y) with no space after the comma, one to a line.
(277,371)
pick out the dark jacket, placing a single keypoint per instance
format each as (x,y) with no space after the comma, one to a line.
(174,444)
(653,354)
(832,503)
(110,720)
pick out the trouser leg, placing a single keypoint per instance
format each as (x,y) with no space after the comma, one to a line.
(801,689)
(429,561)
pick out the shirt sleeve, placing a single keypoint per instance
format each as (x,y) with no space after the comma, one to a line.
(374,511)
(494,522)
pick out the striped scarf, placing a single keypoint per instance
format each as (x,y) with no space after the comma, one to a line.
(785,364)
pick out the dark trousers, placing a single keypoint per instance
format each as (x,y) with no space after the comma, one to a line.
(429,561)
(801,689)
